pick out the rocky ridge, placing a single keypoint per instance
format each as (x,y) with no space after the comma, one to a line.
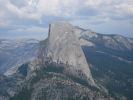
(55,74)
(63,47)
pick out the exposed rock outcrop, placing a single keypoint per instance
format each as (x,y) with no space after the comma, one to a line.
(63,47)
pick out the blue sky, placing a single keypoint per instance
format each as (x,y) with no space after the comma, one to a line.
(30,18)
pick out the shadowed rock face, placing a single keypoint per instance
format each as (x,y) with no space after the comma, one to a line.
(63,47)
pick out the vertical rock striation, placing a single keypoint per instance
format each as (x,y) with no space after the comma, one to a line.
(63,47)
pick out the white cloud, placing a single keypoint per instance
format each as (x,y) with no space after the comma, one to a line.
(125,8)
(21,12)
(37,9)
(1,13)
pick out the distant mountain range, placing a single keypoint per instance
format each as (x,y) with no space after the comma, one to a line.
(14,53)
(111,59)
(71,64)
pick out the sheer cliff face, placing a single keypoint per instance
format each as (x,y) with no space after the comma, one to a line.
(63,47)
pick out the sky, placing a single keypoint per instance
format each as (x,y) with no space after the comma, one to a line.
(30,18)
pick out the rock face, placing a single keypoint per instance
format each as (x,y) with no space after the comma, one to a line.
(61,56)
(63,47)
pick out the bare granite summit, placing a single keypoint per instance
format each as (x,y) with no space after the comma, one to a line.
(63,47)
